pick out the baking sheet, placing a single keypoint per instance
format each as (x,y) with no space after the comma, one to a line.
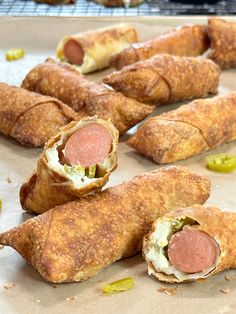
(31,294)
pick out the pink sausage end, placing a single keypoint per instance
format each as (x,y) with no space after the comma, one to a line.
(88,146)
(192,251)
(73,52)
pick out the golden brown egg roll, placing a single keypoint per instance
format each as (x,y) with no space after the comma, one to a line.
(222,35)
(75,162)
(191,238)
(187,131)
(165,78)
(30,118)
(119,3)
(187,40)
(74,241)
(91,51)
(87,98)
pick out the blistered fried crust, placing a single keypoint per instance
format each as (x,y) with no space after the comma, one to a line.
(123,111)
(187,40)
(119,3)
(87,98)
(99,45)
(47,188)
(219,225)
(59,80)
(223,42)
(187,131)
(74,241)
(31,118)
(165,78)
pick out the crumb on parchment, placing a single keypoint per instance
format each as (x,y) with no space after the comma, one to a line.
(9,285)
(228,277)
(1,246)
(9,180)
(201,280)
(71,298)
(168,291)
(225,291)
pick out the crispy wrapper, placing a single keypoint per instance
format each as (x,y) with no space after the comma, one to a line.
(187,131)
(187,40)
(49,186)
(223,42)
(99,45)
(119,3)
(30,118)
(75,241)
(211,220)
(165,78)
(87,98)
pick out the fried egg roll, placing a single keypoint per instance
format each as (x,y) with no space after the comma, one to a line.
(75,162)
(91,51)
(187,131)
(87,98)
(165,78)
(30,118)
(75,241)
(223,42)
(187,40)
(190,244)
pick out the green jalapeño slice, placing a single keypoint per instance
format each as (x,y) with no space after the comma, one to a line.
(14,54)
(221,162)
(118,286)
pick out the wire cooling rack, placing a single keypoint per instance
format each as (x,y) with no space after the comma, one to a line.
(89,8)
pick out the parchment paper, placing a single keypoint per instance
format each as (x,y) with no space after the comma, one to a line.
(31,294)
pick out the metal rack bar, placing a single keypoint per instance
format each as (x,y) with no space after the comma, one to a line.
(90,8)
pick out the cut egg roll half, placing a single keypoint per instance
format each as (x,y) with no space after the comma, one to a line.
(75,162)
(190,244)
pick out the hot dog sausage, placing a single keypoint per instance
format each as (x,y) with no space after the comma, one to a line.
(73,52)
(88,146)
(192,251)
